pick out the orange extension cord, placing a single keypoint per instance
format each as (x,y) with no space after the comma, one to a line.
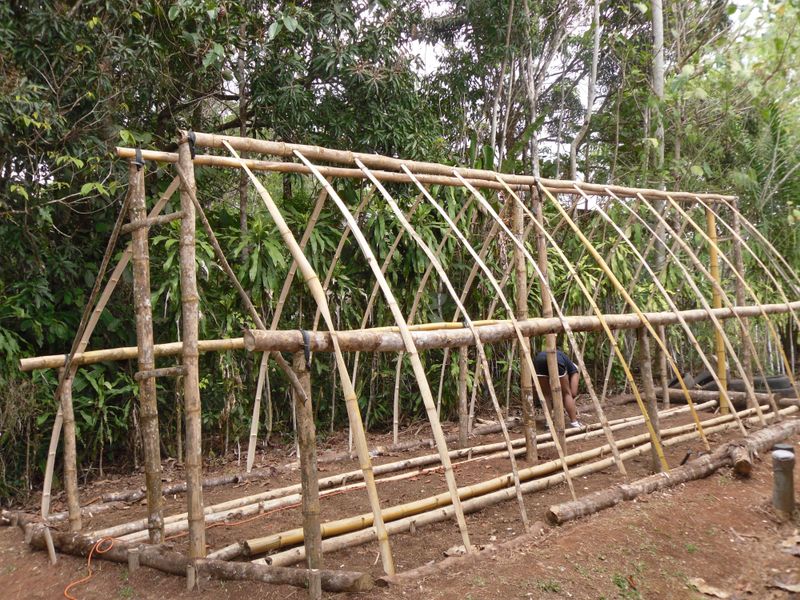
(96,548)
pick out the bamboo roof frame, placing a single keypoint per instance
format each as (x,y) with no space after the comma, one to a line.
(406,338)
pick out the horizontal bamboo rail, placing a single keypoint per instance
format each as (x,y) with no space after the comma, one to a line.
(387,339)
(376,161)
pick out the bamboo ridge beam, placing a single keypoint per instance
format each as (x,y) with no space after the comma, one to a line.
(377,161)
(388,340)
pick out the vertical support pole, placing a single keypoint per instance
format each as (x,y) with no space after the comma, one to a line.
(646,373)
(148,408)
(662,366)
(547,312)
(395,400)
(190,302)
(463,416)
(716,302)
(70,455)
(306,438)
(521,313)
(738,261)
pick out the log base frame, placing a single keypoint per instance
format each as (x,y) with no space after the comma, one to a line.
(404,339)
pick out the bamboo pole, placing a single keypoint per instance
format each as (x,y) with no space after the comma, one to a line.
(410,349)
(481,354)
(148,405)
(70,455)
(716,302)
(463,413)
(668,299)
(354,414)
(346,532)
(646,373)
(524,349)
(738,260)
(377,161)
(547,311)
(284,293)
(309,478)
(396,399)
(753,295)
(662,365)
(525,373)
(553,368)
(630,301)
(191,381)
(688,278)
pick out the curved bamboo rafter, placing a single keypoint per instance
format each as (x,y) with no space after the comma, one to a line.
(512,318)
(433,258)
(276,317)
(749,289)
(684,325)
(411,350)
(351,402)
(776,282)
(630,301)
(696,289)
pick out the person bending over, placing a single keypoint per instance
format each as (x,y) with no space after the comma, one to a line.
(568,378)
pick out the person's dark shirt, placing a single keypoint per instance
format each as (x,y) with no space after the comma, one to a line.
(565,365)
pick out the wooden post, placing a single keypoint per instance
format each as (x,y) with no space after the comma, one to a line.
(646,373)
(716,302)
(306,437)
(70,455)
(148,408)
(191,381)
(521,302)
(547,312)
(463,416)
(738,261)
(662,366)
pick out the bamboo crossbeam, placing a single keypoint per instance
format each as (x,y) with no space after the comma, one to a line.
(383,340)
(178,371)
(151,221)
(420,167)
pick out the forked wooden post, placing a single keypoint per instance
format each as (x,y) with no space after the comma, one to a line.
(190,301)
(662,366)
(521,306)
(547,311)
(716,302)
(463,415)
(646,373)
(306,438)
(148,408)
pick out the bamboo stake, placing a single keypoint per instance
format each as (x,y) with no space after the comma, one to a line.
(396,399)
(306,436)
(148,405)
(662,365)
(70,455)
(525,373)
(354,415)
(410,349)
(287,284)
(478,344)
(716,302)
(668,298)
(553,368)
(629,300)
(191,380)
(377,161)
(525,351)
(463,416)
(646,373)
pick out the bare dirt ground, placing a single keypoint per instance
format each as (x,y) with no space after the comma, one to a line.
(720,529)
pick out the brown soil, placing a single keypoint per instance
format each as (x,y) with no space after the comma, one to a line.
(720,529)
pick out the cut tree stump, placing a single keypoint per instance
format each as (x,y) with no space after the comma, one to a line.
(726,455)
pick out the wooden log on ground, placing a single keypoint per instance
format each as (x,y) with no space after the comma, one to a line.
(169,561)
(695,469)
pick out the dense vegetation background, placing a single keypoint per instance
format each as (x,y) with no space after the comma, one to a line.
(526,86)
